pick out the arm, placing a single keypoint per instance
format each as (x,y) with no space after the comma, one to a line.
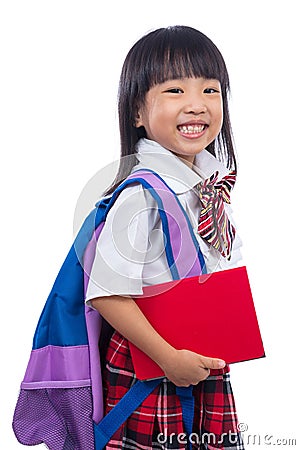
(182,367)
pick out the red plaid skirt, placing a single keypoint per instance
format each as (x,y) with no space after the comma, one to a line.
(157,423)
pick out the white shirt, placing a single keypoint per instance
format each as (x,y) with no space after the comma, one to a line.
(130,251)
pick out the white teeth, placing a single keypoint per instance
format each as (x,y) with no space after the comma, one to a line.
(191,129)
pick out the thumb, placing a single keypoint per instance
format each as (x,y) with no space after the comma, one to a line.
(213,363)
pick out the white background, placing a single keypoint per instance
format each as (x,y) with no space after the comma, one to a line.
(60,64)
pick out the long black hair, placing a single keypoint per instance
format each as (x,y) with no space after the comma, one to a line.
(164,54)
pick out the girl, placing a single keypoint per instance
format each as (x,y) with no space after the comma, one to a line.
(174,120)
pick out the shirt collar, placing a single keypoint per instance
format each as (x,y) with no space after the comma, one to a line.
(178,175)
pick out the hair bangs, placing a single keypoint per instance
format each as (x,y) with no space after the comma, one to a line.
(182,52)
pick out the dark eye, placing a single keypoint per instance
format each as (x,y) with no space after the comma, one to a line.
(175,91)
(211,91)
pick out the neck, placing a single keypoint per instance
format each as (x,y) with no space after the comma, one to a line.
(187,159)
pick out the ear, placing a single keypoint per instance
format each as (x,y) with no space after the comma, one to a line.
(138,122)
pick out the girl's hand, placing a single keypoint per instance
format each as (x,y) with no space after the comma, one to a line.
(184,367)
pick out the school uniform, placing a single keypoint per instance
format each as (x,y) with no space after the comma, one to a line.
(129,256)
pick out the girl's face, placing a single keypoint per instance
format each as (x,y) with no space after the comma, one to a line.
(183,115)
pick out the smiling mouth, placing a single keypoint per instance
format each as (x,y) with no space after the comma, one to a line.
(191,129)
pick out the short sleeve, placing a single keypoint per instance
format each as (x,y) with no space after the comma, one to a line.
(122,246)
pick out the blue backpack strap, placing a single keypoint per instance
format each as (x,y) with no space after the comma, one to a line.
(131,401)
(120,413)
(187,402)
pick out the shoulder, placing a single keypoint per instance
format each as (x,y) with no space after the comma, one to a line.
(133,196)
(134,207)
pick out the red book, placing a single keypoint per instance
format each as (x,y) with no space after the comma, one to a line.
(213,315)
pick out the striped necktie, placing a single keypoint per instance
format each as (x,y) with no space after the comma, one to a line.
(214,224)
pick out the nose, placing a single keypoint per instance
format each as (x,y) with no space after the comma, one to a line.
(195,104)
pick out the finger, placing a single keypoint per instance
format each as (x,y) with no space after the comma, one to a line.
(207,373)
(213,363)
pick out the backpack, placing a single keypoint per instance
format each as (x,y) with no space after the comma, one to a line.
(60,401)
